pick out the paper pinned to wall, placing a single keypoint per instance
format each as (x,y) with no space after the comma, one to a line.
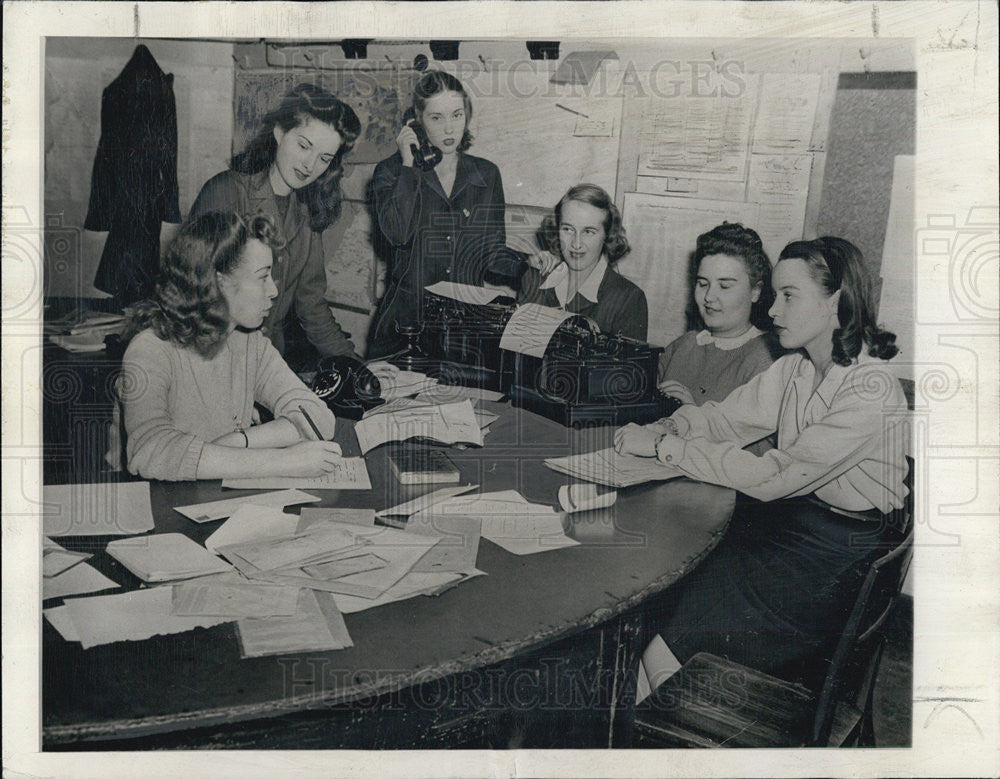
(779,184)
(663,232)
(787,112)
(704,135)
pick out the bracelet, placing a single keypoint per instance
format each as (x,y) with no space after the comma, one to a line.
(246,440)
(657,442)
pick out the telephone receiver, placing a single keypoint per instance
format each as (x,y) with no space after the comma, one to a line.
(346,386)
(426,155)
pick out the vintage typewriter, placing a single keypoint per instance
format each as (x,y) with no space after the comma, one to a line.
(584,378)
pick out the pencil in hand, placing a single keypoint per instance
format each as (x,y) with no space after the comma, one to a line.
(312,424)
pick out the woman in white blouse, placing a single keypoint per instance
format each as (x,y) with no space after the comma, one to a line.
(776,590)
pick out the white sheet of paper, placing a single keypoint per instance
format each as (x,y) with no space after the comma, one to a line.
(446,393)
(465,293)
(585,497)
(165,556)
(251,522)
(607,467)
(459,545)
(56,560)
(234,600)
(395,383)
(409,586)
(317,626)
(131,616)
(219,509)
(449,423)
(530,328)
(349,473)
(311,516)
(109,509)
(527,535)
(493,504)
(59,617)
(77,580)
(425,501)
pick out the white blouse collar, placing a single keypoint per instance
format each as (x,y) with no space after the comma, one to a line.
(704,338)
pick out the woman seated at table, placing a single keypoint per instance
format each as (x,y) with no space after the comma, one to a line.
(199,362)
(730,344)
(778,587)
(586,233)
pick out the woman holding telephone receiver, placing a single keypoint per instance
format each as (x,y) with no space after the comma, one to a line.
(441,208)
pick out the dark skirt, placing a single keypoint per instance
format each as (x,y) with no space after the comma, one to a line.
(775,594)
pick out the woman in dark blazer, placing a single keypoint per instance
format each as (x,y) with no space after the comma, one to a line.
(291,173)
(445,223)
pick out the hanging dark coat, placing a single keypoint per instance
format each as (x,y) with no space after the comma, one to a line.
(133,188)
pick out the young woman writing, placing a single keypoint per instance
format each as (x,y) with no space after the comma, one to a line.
(777,588)
(198,363)
(291,172)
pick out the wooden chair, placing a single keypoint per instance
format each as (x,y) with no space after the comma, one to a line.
(713,702)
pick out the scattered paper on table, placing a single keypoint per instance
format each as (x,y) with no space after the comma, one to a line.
(608,467)
(312,546)
(466,293)
(459,545)
(234,600)
(425,501)
(59,617)
(79,579)
(317,626)
(413,584)
(55,559)
(218,509)
(531,327)
(311,515)
(108,509)
(449,423)
(131,616)
(251,522)
(349,473)
(165,557)
(447,393)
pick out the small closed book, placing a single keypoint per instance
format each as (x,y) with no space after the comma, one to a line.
(422,465)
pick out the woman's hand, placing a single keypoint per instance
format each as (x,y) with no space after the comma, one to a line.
(677,390)
(636,439)
(311,458)
(543,262)
(406,137)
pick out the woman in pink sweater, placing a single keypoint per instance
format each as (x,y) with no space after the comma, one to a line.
(198,363)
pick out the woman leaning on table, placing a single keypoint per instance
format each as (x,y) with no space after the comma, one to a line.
(291,172)
(775,590)
(445,220)
(198,362)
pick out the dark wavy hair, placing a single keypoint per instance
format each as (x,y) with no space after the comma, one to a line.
(616,244)
(434,82)
(836,264)
(305,102)
(733,240)
(187,307)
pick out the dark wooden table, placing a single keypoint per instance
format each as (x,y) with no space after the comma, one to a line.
(541,652)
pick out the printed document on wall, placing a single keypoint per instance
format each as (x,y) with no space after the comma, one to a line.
(779,185)
(787,112)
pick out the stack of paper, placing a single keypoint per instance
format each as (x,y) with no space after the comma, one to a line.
(508,520)
(449,423)
(165,557)
(229,595)
(612,469)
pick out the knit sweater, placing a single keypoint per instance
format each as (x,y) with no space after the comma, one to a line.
(175,401)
